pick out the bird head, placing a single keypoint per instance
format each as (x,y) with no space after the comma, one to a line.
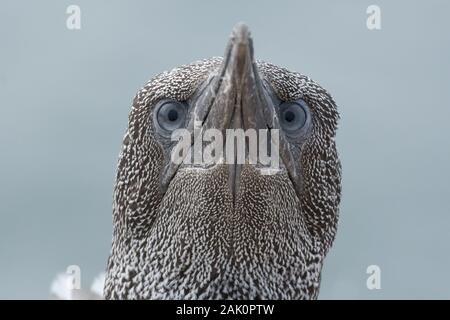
(234,225)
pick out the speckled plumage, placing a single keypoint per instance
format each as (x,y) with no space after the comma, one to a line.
(192,241)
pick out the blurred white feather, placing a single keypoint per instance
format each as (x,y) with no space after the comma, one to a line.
(97,285)
(62,288)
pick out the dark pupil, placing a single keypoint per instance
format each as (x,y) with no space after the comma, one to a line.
(172,115)
(289,116)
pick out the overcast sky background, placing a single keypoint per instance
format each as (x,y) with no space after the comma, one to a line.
(65,96)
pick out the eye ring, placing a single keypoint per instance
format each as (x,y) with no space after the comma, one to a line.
(170,115)
(293,116)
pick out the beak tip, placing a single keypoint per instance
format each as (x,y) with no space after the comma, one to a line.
(241,33)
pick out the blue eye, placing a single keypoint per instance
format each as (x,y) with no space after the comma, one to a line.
(171,115)
(292,116)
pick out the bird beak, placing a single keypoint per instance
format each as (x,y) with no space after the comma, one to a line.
(243,101)
(237,98)
(240,99)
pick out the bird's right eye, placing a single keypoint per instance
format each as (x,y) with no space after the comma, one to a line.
(171,115)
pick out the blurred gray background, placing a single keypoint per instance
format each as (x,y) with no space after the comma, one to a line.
(65,96)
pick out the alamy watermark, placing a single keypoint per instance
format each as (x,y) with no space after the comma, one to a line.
(374,280)
(67,285)
(373,21)
(210,147)
(73,21)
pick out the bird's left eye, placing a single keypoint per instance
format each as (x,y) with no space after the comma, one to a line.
(293,116)
(171,115)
